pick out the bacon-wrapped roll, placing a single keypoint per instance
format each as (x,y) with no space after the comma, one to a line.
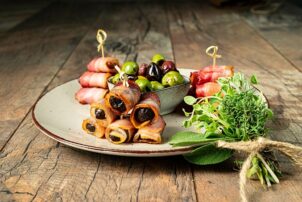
(146,110)
(103,64)
(122,99)
(90,95)
(90,126)
(151,133)
(101,113)
(120,131)
(93,79)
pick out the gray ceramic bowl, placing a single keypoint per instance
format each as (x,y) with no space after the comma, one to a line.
(169,97)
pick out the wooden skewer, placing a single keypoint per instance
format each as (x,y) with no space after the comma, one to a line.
(101,37)
(213,54)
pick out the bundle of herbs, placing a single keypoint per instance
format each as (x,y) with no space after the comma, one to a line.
(239,112)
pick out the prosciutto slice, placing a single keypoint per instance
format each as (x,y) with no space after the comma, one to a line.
(102,114)
(93,79)
(122,99)
(150,104)
(120,131)
(151,133)
(103,64)
(90,95)
(207,89)
(92,127)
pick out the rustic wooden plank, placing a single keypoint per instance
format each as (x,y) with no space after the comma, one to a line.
(33,53)
(282,29)
(196,26)
(41,169)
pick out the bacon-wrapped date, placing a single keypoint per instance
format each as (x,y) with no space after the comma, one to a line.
(90,95)
(92,127)
(147,110)
(120,131)
(93,79)
(102,114)
(103,64)
(121,99)
(151,133)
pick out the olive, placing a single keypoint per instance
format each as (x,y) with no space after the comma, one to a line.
(130,68)
(115,79)
(172,78)
(142,83)
(90,127)
(99,114)
(117,104)
(132,77)
(155,85)
(142,69)
(144,114)
(168,66)
(154,72)
(158,59)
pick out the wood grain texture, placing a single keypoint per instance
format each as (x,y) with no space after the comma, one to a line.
(196,26)
(33,53)
(52,172)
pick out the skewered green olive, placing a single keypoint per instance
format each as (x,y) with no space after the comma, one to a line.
(142,83)
(158,59)
(130,68)
(155,85)
(172,78)
(115,79)
(154,72)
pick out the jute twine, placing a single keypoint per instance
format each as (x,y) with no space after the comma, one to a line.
(254,148)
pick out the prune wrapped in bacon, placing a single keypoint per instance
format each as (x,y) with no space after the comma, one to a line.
(101,113)
(151,133)
(120,131)
(147,110)
(103,64)
(92,127)
(121,99)
(90,95)
(93,79)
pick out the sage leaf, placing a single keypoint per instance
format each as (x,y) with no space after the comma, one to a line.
(190,100)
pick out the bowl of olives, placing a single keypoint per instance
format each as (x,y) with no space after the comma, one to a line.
(160,76)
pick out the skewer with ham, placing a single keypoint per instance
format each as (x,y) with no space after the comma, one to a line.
(120,131)
(90,126)
(90,95)
(93,79)
(103,64)
(102,114)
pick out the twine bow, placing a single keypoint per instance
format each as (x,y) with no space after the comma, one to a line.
(254,148)
(123,76)
(213,54)
(101,37)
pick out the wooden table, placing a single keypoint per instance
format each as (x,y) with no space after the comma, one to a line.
(52,43)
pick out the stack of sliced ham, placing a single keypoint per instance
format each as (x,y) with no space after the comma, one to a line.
(94,81)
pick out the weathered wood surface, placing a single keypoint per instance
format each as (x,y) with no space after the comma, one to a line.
(36,168)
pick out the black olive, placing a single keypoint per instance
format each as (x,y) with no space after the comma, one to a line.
(117,104)
(100,114)
(114,138)
(144,114)
(90,127)
(154,73)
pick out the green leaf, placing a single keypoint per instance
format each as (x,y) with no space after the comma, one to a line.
(190,100)
(208,154)
(254,80)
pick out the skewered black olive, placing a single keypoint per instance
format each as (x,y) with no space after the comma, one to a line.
(114,138)
(144,114)
(117,104)
(154,73)
(90,127)
(99,114)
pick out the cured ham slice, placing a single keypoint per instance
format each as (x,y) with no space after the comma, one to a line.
(120,131)
(207,89)
(147,110)
(93,79)
(121,99)
(103,64)
(90,95)
(101,113)
(90,126)
(151,133)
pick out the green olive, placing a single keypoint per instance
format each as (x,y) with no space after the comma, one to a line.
(130,68)
(155,85)
(115,78)
(158,59)
(142,77)
(172,78)
(142,83)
